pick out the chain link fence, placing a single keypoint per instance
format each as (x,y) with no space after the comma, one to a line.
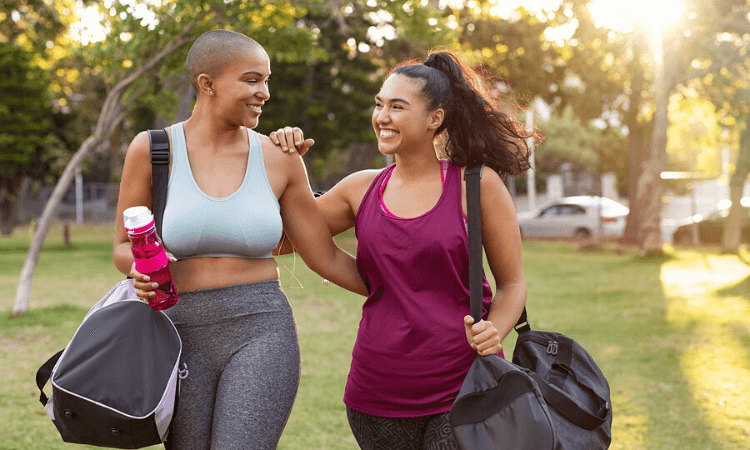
(98,204)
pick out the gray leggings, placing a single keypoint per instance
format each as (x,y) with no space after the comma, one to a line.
(242,354)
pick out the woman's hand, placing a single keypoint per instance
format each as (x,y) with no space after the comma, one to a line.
(291,139)
(483,336)
(144,287)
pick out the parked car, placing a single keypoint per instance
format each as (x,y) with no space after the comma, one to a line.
(575,217)
(711,227)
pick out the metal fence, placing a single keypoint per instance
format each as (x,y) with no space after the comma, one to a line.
(97,204)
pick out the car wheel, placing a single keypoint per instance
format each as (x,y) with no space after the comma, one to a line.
(581,234)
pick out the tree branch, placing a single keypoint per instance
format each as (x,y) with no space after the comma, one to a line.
(117,92)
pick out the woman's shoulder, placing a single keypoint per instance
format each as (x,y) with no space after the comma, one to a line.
(272,152)
(140,148)
(360,180)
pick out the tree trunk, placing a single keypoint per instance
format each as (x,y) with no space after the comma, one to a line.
(45,221)
(637,146)
(732,235)
(9,207)
(650,187)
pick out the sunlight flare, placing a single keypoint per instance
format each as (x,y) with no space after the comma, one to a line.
(626,16)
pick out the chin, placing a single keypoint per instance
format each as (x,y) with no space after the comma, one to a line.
(251,123)
(389,149)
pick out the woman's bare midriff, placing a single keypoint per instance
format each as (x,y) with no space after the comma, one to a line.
(201,273)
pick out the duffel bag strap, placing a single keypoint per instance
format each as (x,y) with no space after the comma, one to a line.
(472,175)
(44,373)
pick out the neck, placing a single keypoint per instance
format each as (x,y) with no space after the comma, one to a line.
(211,131)
(417,165)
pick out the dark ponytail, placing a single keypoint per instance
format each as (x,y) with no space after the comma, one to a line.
(475,129)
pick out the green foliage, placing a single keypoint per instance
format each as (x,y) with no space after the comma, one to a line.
(568,139)
(514,52)
(26,124)
(694,135)
(33,22)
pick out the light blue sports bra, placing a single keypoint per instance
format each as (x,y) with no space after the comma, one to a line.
(246,224)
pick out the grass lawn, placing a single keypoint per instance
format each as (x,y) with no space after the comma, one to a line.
(672,335)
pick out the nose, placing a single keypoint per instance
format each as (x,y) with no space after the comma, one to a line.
(381,116)
(264,93)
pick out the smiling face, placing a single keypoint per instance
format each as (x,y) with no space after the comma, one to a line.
(241,88)
(401,118)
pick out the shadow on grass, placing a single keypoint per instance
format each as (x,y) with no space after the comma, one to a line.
(643,356)
(47,317)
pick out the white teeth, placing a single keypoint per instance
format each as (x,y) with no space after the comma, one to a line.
(386,133)
(254,108)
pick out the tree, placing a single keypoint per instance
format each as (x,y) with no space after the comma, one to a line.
(32,129)
(731,236)
(682,52)
(568,139)
(637,78)
(26,128)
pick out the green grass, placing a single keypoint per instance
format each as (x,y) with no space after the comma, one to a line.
(672,335)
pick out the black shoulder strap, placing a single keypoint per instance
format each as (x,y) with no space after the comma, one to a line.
(159,143)
(474,217)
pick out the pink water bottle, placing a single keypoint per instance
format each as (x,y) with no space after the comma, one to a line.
(150,257)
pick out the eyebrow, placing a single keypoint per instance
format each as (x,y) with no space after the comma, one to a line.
(377,97)
(252,72)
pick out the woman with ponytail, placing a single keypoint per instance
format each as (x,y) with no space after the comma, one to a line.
(411,353)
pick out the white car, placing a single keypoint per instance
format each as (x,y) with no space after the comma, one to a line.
(575,217)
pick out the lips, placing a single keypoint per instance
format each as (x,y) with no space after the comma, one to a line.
(255,108)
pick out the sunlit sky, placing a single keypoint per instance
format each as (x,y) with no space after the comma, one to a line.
(617,15)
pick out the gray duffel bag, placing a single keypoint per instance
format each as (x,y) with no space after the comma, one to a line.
(116,384)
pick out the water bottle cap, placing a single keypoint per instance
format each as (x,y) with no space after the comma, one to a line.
(137,217)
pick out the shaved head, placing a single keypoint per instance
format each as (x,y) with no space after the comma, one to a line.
(215,50)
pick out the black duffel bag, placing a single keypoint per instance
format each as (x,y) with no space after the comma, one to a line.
(552,396)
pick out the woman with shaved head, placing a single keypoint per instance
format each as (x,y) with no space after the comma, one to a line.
(230,194)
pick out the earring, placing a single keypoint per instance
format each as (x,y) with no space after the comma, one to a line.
(211,92)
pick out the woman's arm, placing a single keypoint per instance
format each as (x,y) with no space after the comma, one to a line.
(338,205)
(502,244)
(308,229)
(135,190)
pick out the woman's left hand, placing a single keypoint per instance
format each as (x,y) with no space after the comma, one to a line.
(291,139)
(483,336)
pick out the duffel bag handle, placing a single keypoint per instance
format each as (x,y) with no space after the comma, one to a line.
(569,408)
(44,373)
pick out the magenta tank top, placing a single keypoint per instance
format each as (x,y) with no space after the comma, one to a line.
(411,354)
